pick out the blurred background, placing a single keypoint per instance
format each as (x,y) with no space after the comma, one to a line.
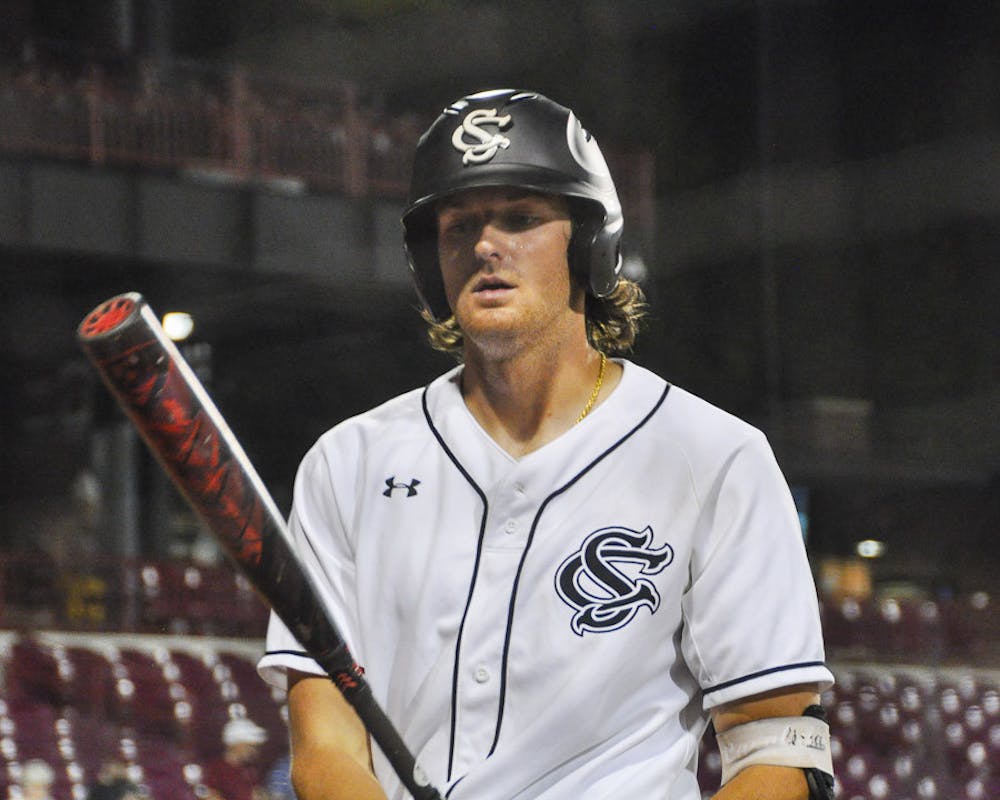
(812,199)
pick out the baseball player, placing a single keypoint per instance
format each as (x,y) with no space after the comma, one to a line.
(555,568)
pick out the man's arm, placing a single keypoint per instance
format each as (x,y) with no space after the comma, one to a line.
(759,782)
(331,755)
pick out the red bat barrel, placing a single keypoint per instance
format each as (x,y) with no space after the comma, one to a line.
(170,408)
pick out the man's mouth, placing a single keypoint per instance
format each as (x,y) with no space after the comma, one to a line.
(490,284)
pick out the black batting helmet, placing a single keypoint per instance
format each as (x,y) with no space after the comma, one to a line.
(506,137)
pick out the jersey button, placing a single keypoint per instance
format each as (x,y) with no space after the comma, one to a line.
(482,675)
(511,526)
(519,488)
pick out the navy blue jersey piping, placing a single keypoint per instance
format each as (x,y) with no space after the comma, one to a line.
(300,653)
(482,532)
(472,581)
(761,674)
(527,546)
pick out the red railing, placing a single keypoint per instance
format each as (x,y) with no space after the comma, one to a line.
(189,118)
(236,124)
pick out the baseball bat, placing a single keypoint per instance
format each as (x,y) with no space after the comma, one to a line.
(174,414)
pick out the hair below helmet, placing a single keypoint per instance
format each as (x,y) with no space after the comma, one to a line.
(506,137)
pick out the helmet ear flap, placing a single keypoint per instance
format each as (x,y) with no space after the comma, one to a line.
(606,263)
(594,254)
(585,228)
(420,246)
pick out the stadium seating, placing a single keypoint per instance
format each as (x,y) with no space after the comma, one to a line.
(906,733)
(158,704)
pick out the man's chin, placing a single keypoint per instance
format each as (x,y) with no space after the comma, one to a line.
(487,319)
(494,334)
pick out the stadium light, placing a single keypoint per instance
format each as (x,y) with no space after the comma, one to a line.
(870,548)
(178,325)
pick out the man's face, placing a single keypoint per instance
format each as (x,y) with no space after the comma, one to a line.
(503,257)
(243,752)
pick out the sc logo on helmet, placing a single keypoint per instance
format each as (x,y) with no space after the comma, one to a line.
(486,144)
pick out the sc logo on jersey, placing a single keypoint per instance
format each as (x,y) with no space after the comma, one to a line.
(605,580)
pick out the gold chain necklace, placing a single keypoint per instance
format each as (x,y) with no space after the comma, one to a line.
(597,390)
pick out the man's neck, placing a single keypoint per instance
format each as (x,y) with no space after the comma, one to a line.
(526,400)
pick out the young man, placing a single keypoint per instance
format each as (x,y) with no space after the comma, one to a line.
(554,567)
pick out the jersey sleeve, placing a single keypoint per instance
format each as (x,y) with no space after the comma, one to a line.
(751,616)
(320,540)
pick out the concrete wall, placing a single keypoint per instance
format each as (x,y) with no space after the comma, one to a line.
(182,220)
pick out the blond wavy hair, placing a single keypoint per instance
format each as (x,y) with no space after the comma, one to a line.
(612,322)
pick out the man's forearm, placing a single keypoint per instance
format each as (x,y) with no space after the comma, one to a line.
(336,776)
(766,783)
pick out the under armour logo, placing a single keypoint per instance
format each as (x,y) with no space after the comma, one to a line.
(392,485)
(486,143)
(604,581)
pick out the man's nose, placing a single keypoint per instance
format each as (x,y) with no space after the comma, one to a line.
(489,241)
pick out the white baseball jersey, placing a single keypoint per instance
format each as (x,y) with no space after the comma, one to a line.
(556,626)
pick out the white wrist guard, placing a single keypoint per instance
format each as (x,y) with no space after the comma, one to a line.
(779,741)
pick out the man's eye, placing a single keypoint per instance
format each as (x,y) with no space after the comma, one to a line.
(457,227)
(521,221)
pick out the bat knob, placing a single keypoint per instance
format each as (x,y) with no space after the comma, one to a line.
(109,315)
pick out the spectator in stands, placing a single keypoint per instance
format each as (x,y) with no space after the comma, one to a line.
(236,775)
(279,780)
(37,779)
(113,784)
(30,584)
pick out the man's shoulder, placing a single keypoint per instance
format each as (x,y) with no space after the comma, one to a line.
(704,431)
(396,418)
(689,412)
(701,416)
